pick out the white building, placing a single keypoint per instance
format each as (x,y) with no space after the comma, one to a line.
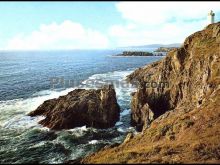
(211,17)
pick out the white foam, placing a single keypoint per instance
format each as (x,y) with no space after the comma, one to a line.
(42,143)
(13,112)
(120,129)
(78,131)
(24,122)
(83,128)
(118,123)
(110,75)
(93,142)
(124,129)
(125,112)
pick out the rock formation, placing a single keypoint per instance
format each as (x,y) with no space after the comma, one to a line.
(164,49)
(180,120)
(135,53)
(93,108)
(188,74)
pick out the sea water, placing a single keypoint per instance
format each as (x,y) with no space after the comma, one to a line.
(26,82)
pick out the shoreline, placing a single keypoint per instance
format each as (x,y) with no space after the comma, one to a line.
(136,56)
(176,123)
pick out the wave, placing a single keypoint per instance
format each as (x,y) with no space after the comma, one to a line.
(13,112)
(32,140)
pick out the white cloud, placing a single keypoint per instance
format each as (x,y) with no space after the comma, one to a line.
(155,13)
(160,22)
(144,23)
(165,34)
(67,35)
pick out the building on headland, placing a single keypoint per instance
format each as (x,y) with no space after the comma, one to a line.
(211,17)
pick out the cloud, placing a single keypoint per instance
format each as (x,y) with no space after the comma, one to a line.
(144,23)
(165,34)
(155,13)
(67,35)
(159,22)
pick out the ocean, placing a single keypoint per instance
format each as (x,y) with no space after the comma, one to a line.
(28,78)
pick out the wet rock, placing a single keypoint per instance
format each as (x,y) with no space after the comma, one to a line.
(93,108)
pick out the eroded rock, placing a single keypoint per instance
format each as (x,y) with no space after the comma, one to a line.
(93,108)
(190,71)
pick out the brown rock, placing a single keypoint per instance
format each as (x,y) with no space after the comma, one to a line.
(188,75)
(128,137)
(93,108)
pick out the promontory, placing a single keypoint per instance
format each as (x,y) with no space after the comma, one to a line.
(179,123)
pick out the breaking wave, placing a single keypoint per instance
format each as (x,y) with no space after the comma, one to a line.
(22,136)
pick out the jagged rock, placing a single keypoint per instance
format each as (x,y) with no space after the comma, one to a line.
(93,108)
(128,137)
(190,73)
(146,115)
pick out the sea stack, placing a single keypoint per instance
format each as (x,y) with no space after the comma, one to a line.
(81,107)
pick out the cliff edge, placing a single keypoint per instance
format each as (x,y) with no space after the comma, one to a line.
(180,119)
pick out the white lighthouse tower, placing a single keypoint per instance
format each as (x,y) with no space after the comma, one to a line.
(211,17)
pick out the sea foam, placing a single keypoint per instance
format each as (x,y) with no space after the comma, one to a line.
(14,112)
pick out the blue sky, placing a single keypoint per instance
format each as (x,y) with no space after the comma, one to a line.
(29,15)
(69,25)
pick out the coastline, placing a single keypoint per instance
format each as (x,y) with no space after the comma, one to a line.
(134,56)
(186,121)
(88,137)
(110,83)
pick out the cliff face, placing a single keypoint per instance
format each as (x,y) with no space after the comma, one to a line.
(185,78)
(181,117)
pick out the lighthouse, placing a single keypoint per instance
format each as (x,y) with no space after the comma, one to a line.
(211,17)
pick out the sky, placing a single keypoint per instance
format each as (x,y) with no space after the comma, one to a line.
(99,25)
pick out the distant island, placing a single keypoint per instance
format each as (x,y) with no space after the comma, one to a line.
(138,53)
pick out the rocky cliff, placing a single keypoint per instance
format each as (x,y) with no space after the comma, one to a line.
(93,108)
(185,78)
(179,120)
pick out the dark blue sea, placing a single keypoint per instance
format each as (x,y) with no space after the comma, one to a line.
(28,78)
